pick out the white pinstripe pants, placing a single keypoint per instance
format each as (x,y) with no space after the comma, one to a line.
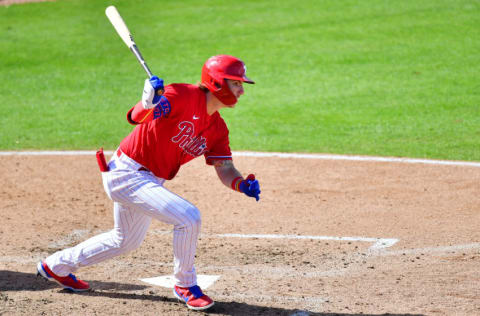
(138,197)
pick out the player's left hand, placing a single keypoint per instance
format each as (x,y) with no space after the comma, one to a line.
(251,187)
(151,96)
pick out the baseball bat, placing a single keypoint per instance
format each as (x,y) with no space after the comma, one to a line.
(122,30)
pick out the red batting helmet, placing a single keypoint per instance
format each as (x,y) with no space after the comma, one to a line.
(218,68)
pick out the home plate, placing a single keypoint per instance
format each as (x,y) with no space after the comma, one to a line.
(204,281)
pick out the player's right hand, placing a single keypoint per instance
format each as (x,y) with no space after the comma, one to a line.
(251,187)
(150,96)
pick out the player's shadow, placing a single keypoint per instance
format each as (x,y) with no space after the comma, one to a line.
(229,308)
(20,281)
(235,308)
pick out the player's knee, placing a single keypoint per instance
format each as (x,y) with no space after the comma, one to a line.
(125,242)
(194,220)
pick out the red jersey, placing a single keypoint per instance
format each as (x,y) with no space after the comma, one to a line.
(177,130)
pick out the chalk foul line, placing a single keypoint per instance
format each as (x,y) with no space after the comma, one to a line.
(378,243)
(271,154)
(440,250)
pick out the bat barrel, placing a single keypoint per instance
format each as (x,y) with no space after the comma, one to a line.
(122,30)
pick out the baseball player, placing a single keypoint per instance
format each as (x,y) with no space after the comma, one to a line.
(171,129)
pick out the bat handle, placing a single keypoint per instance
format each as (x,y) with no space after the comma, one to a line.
(139,56)
(147,70)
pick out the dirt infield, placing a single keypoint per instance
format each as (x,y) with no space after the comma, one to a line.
(414,246)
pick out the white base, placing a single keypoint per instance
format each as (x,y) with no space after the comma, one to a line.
(203,281)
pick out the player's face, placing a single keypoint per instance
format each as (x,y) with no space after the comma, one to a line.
(236,86)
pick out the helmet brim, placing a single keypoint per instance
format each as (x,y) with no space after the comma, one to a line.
(243,79)
(247,80)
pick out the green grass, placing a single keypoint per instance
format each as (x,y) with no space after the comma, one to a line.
(373,77)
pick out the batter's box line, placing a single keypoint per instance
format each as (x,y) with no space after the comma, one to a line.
(378,243)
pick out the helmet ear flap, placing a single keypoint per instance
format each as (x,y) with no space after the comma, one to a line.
(224,94)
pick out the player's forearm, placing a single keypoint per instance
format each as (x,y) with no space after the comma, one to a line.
(138,114)
(232,178)
(226,172)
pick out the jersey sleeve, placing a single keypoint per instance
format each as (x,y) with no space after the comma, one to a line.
(138,114)
(220,149)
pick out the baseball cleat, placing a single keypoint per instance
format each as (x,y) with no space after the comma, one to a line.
(193,297)
(69,282)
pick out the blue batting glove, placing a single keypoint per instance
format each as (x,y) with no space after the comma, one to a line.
(152,92)
(250,187)
(157,85)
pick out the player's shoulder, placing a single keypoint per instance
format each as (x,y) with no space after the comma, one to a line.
(181,88)
(182,93)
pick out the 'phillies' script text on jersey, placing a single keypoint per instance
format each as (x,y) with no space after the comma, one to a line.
(193,145)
